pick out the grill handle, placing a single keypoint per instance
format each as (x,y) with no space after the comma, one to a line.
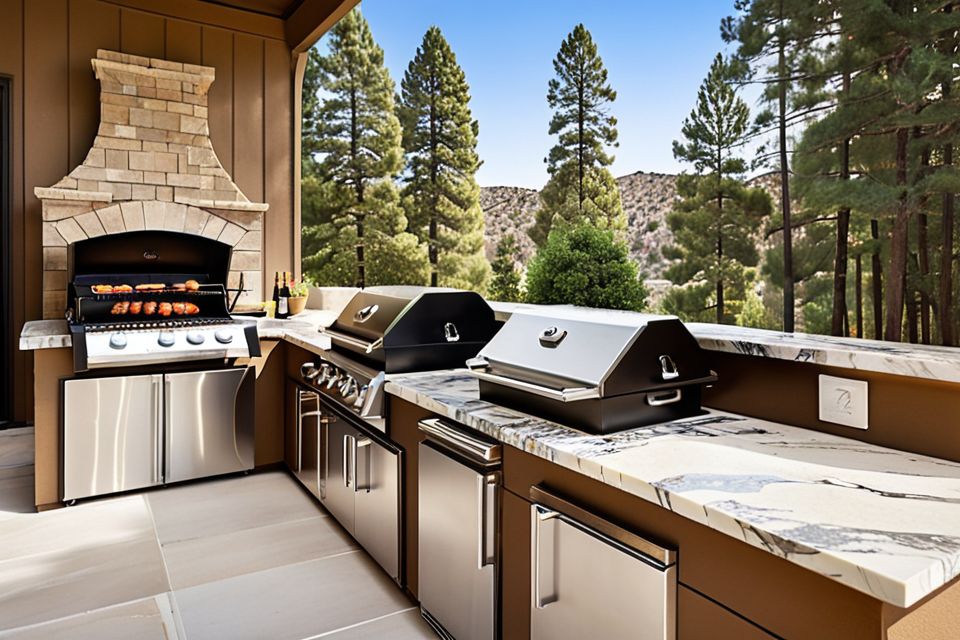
(570,394)
(337,336)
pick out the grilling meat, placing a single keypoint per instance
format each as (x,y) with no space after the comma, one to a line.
(149,308)
(178,308)
(120,308)
(192,285)
(165,309)
(191,309)
(135,307)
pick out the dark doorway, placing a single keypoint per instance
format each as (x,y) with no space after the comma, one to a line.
(6,248)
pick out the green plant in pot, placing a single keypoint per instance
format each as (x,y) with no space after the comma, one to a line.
(299,291)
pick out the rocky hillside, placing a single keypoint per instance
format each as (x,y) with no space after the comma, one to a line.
(647,199)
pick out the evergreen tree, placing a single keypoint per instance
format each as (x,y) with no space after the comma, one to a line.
(714,224)
(358,139)
(310,113)
(441,196)
(505,286)
(586,266)
(580,186)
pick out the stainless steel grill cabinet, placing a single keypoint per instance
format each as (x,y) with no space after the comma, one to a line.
(596,371)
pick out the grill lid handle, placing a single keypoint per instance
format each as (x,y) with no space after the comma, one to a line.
(552,336)
(668,368)
(450,332)
(366,313)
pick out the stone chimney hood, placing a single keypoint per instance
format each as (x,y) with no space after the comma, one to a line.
(153,166)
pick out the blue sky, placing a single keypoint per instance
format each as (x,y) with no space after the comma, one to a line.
(656,52)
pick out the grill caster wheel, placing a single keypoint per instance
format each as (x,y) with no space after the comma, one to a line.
(71,503)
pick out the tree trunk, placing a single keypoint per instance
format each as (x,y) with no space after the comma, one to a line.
(432,249)
(843,234)
(898,247)
(945,313)
(877,288)
(910,302)
(358,187)
(923,260)
(788,303)
(581,117)
(720,260)
(858,285)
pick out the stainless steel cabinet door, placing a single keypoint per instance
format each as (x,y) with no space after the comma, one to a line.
(308,440)
(208,423)
(585,585)
(111,435)
(337,493)
(456,563)
(376,484)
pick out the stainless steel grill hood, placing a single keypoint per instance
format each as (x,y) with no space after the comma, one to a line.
(399,329)
(597,371)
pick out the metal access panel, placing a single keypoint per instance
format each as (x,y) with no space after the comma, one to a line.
(111,435)
(209,423)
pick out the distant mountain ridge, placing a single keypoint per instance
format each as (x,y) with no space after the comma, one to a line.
(647,199)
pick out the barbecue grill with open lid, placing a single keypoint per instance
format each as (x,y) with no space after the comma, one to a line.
(182,324)
(596,371)
(399,329)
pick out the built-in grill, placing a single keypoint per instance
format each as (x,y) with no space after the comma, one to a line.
(595,371)
(149,297)
(397,330)
(343,453)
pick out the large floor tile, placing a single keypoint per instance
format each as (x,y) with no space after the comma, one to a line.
(406,625)
(91,524)
(290,603)
(52,585)
(149,619)
(16,491)
(232,504)
(200,560)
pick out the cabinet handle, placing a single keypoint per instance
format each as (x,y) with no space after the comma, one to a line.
(361,481)
(346,467)
(541,516)
(323,459)
(157,393)
(487,499)
(299,430)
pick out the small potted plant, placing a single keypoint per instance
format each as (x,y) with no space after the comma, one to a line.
(299,291)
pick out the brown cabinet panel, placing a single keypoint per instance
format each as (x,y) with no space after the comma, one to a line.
(269,403)
(515,567)
(403,419)
(698,618)
(761,587)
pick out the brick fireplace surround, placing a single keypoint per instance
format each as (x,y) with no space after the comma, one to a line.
(152,166)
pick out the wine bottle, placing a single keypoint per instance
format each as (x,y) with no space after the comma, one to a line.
(276,291)
(283,304)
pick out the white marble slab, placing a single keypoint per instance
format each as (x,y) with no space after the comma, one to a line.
(44,334)
(881,521)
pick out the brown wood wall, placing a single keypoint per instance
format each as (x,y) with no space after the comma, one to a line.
(46,47)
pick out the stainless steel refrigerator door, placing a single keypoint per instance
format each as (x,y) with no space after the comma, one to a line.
(111,435)
(308,440)
(585,585)
(209,421)
(457,568)
(337,491)
(377,507)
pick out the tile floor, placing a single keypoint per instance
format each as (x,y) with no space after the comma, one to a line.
(243,557)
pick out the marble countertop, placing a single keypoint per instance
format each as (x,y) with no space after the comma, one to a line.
(913,360)
(881,521)
(301,330)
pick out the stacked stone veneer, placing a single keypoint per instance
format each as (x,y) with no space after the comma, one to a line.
(152,166)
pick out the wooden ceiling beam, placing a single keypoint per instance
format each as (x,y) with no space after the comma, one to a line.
(312,19)
(212,14)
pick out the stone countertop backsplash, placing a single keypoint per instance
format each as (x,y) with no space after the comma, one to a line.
(881,521)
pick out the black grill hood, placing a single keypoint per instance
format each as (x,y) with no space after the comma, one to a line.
(401,329)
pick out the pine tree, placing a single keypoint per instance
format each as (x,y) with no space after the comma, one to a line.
(358,135)
(776,40)
(441,196)
(714,224)
(585,266)
(580,186)
(505,286)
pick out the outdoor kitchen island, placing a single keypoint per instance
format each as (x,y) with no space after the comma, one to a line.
(778,531)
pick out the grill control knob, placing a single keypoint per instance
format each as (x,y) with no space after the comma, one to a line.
(118,341)
(223,336)
(361,396)
(166,339)
(335,379)
(195,337)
